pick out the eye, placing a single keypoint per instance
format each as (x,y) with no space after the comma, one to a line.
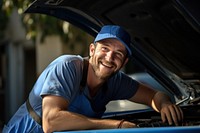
(104,49)
(119,54)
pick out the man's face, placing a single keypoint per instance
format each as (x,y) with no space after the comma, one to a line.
(107,57)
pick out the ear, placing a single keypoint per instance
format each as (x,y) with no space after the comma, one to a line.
(92,49)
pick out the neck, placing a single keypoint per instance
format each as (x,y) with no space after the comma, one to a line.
(94,83)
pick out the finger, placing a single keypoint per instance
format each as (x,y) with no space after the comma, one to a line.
(169,118)
(166,115)
(163,117)
(174,114)
(179,113)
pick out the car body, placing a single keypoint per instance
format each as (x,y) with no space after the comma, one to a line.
(166,43)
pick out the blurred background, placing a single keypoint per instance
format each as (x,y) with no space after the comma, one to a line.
(28,43)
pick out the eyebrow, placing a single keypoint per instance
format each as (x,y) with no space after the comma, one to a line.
(119,50)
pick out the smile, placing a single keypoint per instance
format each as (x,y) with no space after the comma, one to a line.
(106,65)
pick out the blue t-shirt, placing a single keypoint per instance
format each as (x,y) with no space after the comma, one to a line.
(62,78)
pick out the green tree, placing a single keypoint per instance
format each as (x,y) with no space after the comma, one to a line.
(43,25)
(50,25)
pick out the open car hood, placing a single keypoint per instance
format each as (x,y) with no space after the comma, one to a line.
(165,33)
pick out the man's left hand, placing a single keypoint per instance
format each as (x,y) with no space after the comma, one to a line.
(172,114)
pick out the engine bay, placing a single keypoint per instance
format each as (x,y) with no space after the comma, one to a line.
(150,118)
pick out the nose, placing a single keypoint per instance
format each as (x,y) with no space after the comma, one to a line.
(110,56)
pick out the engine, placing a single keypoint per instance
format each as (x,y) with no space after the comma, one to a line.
(150,118)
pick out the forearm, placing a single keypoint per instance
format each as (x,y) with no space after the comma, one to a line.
(159,100)
(65,120)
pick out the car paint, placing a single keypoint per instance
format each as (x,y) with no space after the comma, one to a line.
(186,129)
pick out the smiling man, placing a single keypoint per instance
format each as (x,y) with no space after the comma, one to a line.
(72,92)
(107,57)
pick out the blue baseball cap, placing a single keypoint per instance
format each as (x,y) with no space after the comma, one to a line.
(117,32)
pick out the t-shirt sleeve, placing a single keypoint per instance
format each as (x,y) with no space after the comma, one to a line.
(123,86)
(62,79)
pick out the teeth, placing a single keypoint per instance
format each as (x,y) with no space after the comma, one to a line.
(107,65)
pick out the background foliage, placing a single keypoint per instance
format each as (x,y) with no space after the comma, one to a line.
(32,22)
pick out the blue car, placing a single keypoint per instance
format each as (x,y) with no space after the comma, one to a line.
(166,44)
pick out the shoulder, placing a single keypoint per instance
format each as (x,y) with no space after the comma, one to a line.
(67,60)
(65,64)
(121,76)
(121,79)
(122,86)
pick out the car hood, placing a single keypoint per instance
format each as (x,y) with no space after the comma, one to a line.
(165,33)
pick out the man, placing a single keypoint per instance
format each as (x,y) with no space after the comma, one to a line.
(72,92)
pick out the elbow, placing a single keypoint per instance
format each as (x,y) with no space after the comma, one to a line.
(47,127)
(48,123)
